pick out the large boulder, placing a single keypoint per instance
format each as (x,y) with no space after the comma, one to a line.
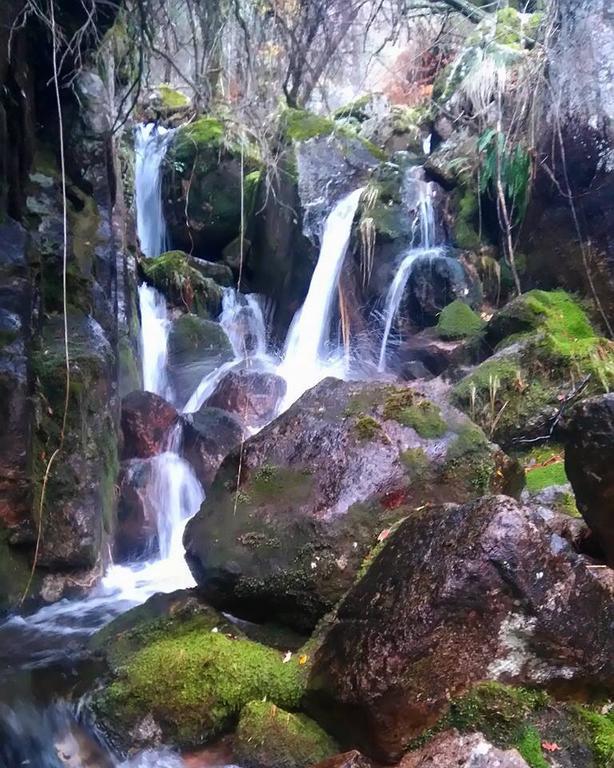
(209,435)
(458,595)
(546,348)
(291,517)
(588,432)
(454,750)
(196,347)
(147,421)
(252,396)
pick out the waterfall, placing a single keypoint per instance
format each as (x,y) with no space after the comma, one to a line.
(307,358)
(418,196)
(154,340)
(151,142)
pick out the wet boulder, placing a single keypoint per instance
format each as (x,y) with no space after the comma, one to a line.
(252,396)
(286,536)
(454,750)
(196,347)
(460,594)
(436,281)
(209,435)
(147,421)
(546,350)
(137,530)
(588,432)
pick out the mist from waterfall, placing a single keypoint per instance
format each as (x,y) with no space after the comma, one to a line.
(418,196)
(308,356)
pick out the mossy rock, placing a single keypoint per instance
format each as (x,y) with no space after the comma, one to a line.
(269,737)
(459,321)
(208,184)
(169,99)
(194,680)
(546,346)
(183,282)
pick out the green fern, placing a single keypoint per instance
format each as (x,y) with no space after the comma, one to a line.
(515,166)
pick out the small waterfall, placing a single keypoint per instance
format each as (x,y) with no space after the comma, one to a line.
(307,360)
(151,143)
(154,340)
(418,196)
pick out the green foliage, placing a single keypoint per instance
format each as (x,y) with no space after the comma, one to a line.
(601,729)
(512,164)
(539,478)
(459,321)
(269,737)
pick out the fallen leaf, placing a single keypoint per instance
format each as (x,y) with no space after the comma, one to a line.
(550,746)
(302,659)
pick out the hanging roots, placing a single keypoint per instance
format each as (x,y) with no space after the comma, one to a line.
(367,248)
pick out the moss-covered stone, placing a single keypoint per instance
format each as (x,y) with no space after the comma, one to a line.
(269,737)
(194,681)
(547,345)
(183,284)
(422,415)
(601,729)
(459,321)
(171,99)
(367,428)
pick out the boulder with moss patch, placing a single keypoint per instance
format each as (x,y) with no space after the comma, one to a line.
(460,751)
(459,321)
(317,487)
(188,283)
(546,347)
(205,177)
(269,737)
(185,667)
(458,595)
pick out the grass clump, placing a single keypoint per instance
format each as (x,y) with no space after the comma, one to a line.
(195,684)
(459,321)
(269,737)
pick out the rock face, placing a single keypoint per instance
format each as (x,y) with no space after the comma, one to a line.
(252,396)
(209,435)
(195,348)
(588,433)
(147,420)
(317,487)
(461,594)
(453,750)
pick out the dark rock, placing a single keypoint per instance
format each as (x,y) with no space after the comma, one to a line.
(317,487)
(252,396)
(209,435)
(136,521)
(588,433)
(453,750)
(196,347)
(461,594)
(221,273)
(437,355)
(437,281)
(147,421)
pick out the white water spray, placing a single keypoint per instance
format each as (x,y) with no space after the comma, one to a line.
(154,340)
(151,143)
(308,358)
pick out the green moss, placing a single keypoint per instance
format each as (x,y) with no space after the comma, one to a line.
(466,234)
(509,27)
(459,321)
(281,484)
(544,477)
(415,461)
(300,125)
(470,439)
(268,737)
(529,744)
(601,730)
(172,99)
(425,418)
(367,428)
(191,338)
(196,683)
(469,460)
(397,401)
(374,552)
(355,109)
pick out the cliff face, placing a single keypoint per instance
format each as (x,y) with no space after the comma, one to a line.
(575,142)
(79,502)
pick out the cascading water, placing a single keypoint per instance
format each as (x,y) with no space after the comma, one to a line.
(418,196)
(154,340)
(151,143)
(308,358)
